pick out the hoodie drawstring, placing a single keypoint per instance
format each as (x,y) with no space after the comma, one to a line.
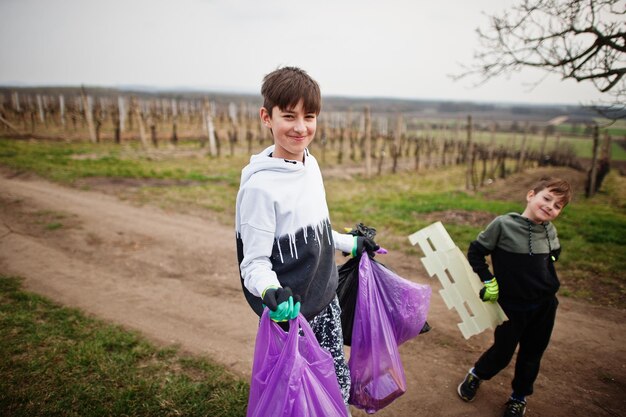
(530,238)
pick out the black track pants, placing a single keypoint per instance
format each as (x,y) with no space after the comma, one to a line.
(531,330)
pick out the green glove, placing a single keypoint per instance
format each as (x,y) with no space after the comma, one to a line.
(490,291)
(282,303)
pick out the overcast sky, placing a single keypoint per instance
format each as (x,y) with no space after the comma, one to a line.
(391,48)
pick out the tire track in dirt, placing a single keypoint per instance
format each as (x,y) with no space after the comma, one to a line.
(172,277)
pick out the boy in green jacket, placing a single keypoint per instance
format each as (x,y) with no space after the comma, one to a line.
(523,250)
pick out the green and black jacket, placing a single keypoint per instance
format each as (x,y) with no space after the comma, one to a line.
(523,255)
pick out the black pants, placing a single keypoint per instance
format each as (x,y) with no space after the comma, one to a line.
(531,330)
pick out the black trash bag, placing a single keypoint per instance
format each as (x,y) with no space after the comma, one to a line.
(347,291)
(348,287)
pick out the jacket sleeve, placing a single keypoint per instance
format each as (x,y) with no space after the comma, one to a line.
(482,247)
(343,241)
(476,255)
(257,234)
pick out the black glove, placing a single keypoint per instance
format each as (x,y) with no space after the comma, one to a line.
(282,303)
(367,244)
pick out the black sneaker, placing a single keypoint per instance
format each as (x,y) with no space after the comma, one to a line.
(467,389)
(515,408)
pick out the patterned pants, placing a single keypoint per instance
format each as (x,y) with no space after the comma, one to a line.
(327,328)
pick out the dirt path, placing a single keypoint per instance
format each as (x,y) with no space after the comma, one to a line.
(174,278)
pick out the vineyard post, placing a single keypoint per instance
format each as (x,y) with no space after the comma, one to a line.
(128,116)
(426,146)
(343,129)
(151,119)
(606,147)
(139,116)
(174,121)
(208,126)
(469,160)
(250,136)
(397,136)
(33,119)
(544,142)
(351,136)
(468,136)
(88,112)
(76,111)
(232,139)
(62,111)
(381,157)
(42,116)
(605,159)
(242,126)
(442,144)
(492,148)
(522,151)
(368,143)
(15,98)
(417,152)
(591,178)
(503,164)
(122,113)
(323,140)
(484,156)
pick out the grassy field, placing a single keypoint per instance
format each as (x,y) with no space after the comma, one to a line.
(58,362)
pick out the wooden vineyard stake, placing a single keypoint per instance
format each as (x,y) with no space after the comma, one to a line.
(591,178)
(88,112)
(209,127)
(368,143)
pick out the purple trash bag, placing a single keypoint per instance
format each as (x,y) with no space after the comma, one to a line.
(292,376)
(389,311)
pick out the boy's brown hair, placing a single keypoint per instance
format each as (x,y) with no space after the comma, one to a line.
(285,87)
(557,186)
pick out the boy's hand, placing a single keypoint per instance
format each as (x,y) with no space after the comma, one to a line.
(490,291)
(364,243)
(282,303)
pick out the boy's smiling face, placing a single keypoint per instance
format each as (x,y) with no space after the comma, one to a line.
(293,130)
(543,206)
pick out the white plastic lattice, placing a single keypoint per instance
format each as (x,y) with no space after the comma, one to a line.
(460,283)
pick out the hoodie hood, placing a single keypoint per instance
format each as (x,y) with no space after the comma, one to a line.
(263,161)
(518,234)
(268,185)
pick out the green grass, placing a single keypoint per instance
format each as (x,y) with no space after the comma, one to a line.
(54,226)
(68,162)
(56,361)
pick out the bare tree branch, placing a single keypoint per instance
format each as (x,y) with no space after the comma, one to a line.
(582,40)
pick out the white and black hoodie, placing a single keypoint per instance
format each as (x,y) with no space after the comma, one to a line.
(284,236)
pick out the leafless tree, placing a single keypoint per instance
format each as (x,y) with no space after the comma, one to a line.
(584,40)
